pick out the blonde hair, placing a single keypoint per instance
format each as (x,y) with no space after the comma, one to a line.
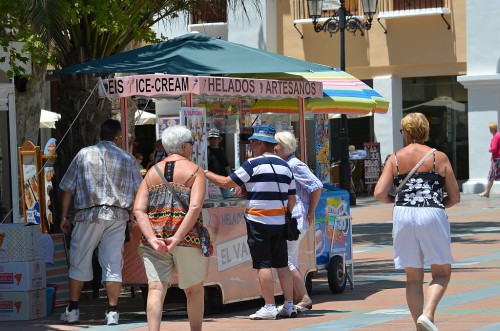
(493,125)
(417,126)
(287,140)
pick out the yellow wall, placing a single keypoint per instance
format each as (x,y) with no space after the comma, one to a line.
(412,47)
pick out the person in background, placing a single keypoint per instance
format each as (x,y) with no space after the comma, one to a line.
(421,230)
(103,180)
(270,186)
(139,158)
(159,154)
(216,156)
(170,238)
(308,189)
(494,173)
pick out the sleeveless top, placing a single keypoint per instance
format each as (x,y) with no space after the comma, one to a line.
(165,212)
(423,189)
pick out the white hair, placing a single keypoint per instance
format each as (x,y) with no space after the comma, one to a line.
(174,136)
(288,141)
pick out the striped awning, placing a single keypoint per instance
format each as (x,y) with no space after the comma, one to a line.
(342,94)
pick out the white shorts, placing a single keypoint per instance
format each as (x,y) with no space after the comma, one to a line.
(421,237)
(293,251)
(109,237)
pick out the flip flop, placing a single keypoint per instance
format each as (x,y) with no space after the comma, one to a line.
(482,195)
(425,324)
(303,309)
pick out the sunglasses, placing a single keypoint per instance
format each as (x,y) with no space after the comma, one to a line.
(189,142)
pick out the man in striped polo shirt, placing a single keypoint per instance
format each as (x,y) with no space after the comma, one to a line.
(270,190)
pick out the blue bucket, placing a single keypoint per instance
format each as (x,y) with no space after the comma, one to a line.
(50,293)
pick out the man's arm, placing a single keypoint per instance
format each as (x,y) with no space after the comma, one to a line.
(291,202)
(66,198)
(221,181)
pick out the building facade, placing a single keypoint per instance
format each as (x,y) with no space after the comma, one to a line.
(438,57)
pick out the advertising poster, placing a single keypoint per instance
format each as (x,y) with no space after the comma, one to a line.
(195,119)
(322,147)
(49,159)
(166,121)
(373,166)
(332,233)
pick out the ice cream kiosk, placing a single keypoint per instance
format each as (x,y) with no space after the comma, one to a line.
(223,103)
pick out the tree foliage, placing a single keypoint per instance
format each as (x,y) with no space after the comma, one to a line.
(61,33)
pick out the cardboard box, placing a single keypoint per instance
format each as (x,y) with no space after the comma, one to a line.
(19,242)
(22,306)
(22,276)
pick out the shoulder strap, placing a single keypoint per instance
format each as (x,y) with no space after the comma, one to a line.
(415,168)
(277,182)
(167,184)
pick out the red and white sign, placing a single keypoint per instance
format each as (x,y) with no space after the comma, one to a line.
(175,85)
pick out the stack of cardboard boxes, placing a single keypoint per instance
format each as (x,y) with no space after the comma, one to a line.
(22,273)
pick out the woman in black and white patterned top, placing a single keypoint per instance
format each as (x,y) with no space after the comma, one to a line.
(421,230)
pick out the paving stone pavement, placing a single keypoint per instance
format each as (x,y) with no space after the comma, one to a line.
(377,301)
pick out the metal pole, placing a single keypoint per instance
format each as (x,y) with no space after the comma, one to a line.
(344,166)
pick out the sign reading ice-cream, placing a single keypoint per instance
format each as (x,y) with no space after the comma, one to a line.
(175,85)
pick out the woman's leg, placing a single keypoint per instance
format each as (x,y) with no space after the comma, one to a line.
(195,305)
(300,296)
(415,291)
(156,296)
(486,192)
(441,274)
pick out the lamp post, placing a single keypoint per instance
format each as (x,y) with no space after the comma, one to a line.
(339,22)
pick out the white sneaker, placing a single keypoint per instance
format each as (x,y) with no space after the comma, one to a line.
(288,313)
(71,316)
(111,318)
(264,314)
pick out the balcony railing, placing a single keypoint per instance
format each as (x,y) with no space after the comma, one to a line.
(386,8)
(410,5)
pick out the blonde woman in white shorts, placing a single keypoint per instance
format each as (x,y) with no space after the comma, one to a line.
(421,230)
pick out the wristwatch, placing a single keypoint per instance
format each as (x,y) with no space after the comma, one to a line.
(205,171)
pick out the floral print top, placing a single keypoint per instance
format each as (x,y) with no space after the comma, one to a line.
(423,189)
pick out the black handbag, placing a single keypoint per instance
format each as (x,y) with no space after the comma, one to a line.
(205,241)
(292,231)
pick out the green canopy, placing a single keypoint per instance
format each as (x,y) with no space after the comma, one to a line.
(193,54)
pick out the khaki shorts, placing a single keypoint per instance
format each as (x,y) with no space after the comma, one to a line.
(190,263)
(109,236)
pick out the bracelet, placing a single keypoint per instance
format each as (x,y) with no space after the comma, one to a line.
(205,171)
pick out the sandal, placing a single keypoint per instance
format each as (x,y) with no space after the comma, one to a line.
(425,324)
(482,195)
(303,309)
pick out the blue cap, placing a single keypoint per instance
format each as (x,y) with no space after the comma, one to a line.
(264,133)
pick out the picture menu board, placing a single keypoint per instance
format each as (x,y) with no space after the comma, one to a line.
(32,195)
(372,162)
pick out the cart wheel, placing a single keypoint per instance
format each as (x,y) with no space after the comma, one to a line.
(213,300)
(309,284)
(336,275)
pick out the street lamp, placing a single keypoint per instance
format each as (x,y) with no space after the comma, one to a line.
(339,22)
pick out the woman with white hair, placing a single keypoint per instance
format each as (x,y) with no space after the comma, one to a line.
(170,237)
(308,194)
